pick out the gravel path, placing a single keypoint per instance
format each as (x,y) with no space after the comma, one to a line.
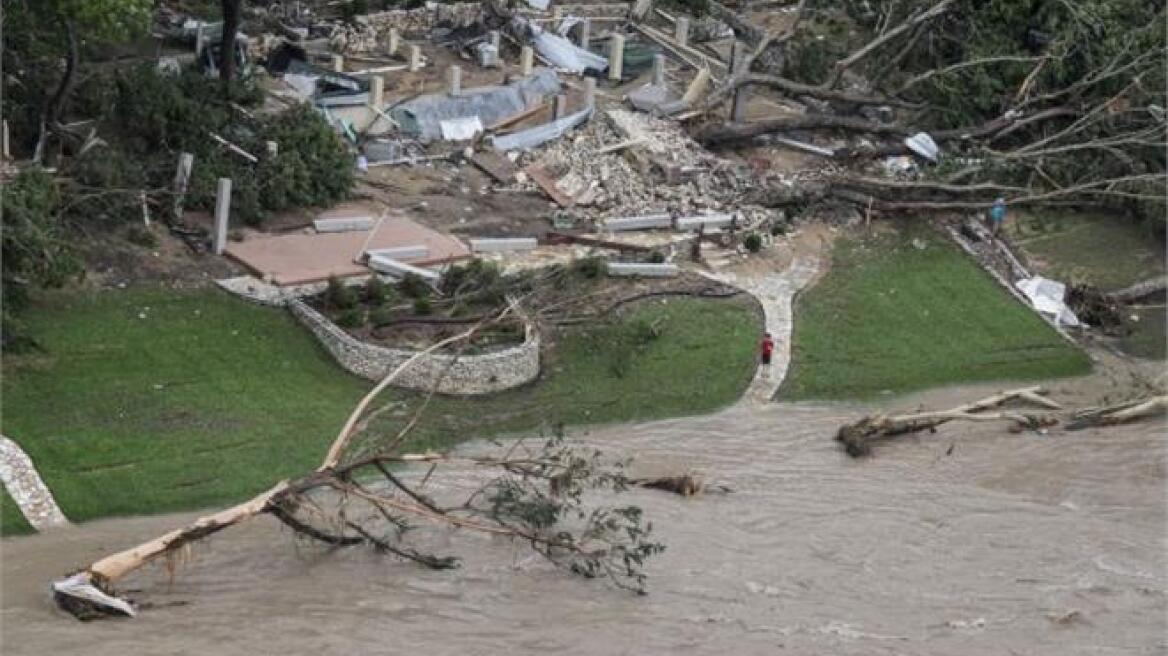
(775,292)
(27,489)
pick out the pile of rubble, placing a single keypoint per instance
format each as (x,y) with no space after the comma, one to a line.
(626,163)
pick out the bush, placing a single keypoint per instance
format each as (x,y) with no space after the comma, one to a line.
(141,236)
(351,318)
(380,316)
(339,296)
(753,242)
(589,267)
(377,292)
(475,276)
(412,286)
(422,306)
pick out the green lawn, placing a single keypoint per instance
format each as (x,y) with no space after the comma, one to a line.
(1107,251)
(209,399)
(891,318)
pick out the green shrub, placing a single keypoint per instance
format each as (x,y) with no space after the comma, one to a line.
(377,292)
(753,242)
(589,267)
(339,296)
(351,318)
(141,236)
(413,286)
(380,316)
(422,305)
(475,276)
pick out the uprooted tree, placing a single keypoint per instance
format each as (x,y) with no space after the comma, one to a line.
(541,495)
(1043,103)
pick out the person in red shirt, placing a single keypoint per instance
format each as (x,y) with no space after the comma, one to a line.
(768,348)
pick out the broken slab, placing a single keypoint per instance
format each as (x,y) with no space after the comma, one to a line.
(545,181)
(643,269)
(646,222)
(502,244)
(398,269)
(417,252)
(343,224)
(495,165)
(704,221)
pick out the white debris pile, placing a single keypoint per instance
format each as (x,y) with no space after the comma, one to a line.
(627,163)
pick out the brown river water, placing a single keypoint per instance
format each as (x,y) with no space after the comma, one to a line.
(1011,544)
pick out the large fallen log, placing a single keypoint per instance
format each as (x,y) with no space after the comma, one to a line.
(858,437)
(1140,290)
(1120,414)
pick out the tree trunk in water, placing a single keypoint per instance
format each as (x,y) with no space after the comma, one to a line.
(231,10)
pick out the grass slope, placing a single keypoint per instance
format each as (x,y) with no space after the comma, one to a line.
(209,399)
(891,318)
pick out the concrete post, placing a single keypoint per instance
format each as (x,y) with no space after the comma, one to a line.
(681,30)
(273,149)
(182,174)
(561,107)
(590,92)
(415,58)
(557,13)
(338,64)
(454,79)
(697,86)
(394,40)
(4,146)
(741,96)
(658,69)
(585,33)
(377,91)
(526,61)
(496,40)
(199,39)
(222,209)
(616,56)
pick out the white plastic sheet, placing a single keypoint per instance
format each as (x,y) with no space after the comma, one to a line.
(1047,296)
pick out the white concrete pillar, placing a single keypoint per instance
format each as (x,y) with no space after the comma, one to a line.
(659,69)
(454,80)
(526,61)
(616,56)
(273,149)
(222,210)
(200,40)
(5,147)
(585,33)
(182,174)
(560,109)
(697,86)
(338,64)
(496,40)
(377,91)
(590,91)
(415,58)
(394,40)
(681,30)
(741,96)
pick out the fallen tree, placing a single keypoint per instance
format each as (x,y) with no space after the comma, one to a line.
(537,496)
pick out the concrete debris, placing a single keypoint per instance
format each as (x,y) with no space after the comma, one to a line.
(922,144)
(397,269)
(561,52)
(460,129)
(503,244)
(643,269)
(646,222)
(418,252)
(421,116)
(688,223)
(343,224)
(540,134)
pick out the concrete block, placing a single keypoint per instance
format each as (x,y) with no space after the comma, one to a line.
(688,223)
(377,91)
(503,244)
(616,56)
(415,58)
(526,61)
(585,32)
(590,92)
(397,269)
(681,30)
(222,210)
(645,270)
(401,252)
(338,64)
(646,222)
(454,79)
(344,224)
(659,69)
(394,40)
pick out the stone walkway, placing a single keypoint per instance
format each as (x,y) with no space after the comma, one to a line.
(27,489)
(775,292)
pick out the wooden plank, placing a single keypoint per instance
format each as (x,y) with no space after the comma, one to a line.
(495,165)
(540,177)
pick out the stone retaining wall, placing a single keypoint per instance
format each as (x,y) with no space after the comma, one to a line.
(469,374)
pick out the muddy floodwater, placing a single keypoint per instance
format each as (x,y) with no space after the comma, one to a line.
(1009,544)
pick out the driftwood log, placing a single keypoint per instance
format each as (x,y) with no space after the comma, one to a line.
(858,437)
(1120,414)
